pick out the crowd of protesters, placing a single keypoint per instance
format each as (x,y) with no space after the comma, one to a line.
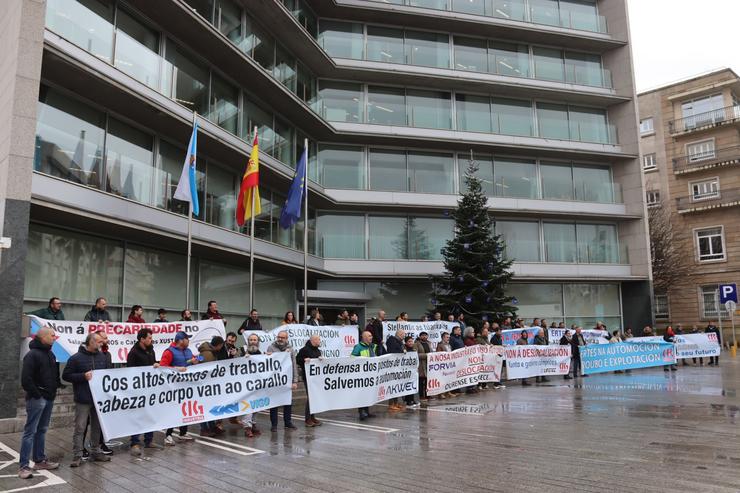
(41,377)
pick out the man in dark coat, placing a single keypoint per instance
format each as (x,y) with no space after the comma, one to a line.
(142,354)
(307,353)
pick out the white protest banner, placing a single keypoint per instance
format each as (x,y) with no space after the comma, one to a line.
(122,335)
(463,367)
(336,340)
(592,336)
(433,328)
(689,345)
(535,361)
(344,383)
(130,401)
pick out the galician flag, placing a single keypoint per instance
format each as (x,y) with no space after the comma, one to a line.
(187,187)
(249,188)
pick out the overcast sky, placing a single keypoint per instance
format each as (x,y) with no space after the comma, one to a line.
(675,39)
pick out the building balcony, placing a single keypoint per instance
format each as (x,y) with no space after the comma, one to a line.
(720,200)
(717,158)
(704,121)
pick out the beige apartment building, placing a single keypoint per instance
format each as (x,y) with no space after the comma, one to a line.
(690,149)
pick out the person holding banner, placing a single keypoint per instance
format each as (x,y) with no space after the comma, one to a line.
(247,420)
(142,354)
(712,329)
(178,356)
(394,345)
(456,339)
(566,341)
(281,345)
(135,314)
(98,313)
(366,348)
(523,341)
(212,313)
(409,347)
(289,318)
(307,353)
(315,318)
(251,323)
(576,342)
(670,336)
(375,327)
(423,348)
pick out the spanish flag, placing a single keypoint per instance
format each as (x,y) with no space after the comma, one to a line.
(249,188)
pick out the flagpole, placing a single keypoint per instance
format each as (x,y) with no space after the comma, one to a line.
(305,232)
(251,246)
(190,238)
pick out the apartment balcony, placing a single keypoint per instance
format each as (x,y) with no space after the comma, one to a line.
(717,158)
(704,121)
(718,200)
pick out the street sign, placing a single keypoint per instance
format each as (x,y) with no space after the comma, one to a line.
(730,306)
(727,292)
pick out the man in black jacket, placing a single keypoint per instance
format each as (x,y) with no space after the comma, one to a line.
(375,327)
(713,329)
(576,342)
(98,313)
(566,341)
(142,354)
(251,323)
(394,345)
(79,371)
(39,378)
(307,353)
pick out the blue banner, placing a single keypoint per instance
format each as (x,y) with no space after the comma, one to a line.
(599,358)
(510,336)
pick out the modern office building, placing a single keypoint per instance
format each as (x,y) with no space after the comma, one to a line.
(392,96)
(690,143)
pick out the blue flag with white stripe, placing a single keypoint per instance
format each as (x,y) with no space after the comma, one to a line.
(187,187)
(291,212)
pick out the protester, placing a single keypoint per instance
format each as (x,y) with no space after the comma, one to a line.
(98,313)
(354,319)
(424,318)
(161,317)
(507,324)
(566,341)
(451,317)
(252,322)
(469,337)
(541,340)
(186,316)
(342,318)
(281,345)
(104,349)
(628,333)
(229,349)
(178,356)
(208,352)
(366,348)
(423,347)
(53,311)
(437,316)
(78,371)
(523,341)
(402,317)
(289,318)
(713,329)
(212,313)
(496,338)
(409,347)
(40,379)
(375,327)
(306,354)
(576,342)
(695,330)
(670,336)
(142,354)
(482,337)
(444,346)
(456,339)
(247,420)
(315,318)
(461,321)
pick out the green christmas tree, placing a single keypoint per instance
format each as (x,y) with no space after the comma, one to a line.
(476,272)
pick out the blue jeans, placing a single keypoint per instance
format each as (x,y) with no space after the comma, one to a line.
(287,415)
(148,437)
(38,415)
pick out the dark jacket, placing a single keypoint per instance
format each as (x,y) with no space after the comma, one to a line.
(207,353)
(212,315)
(94,315)
(40,373)
(456,342)
(140,357)
(376,329)
(522,341)
(714,330)
(564,341)
(250,324)
(78,364)
(575,345)
(307,351)
(540,341)
(48,314)
(497,340)
(469,341)
(393,344)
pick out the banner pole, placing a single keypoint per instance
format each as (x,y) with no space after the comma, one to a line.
(305,232)
(251,246)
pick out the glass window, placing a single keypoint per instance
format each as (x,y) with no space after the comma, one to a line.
(229,16)
(473,113)
(652,198)
(224,110)
(388,170)
(560,242)
(386,106)
(185,81)
(306,85)
(430,4)
(705,189)
(582,15)
(521,240)
(137,50)
(515,178)
(584,68)
(703,111)
(710,303)
(649,162)
(202,7)
(484,173)
(544,12)
(341,39)
(69,139)
(272,294)
(227,284)
(588,125)
(512,117)
(83,267)
(342,167)
(471,54)
(647,126)
(699,151)
(388,237)
(86,23)
(431,173)
(553,121)
(548,64)
(340,236)
(282,149)
(341,101)
(557,181)
(537,300)
(397,296)
(427,49)
(129,162)
(661,306)
(305,16)
(591,300)
(221,193)
(263,220)
(259,45)
(475,7)
(147,270)
(285,68)
(427,236)
(167,176)
(254,116)
(597,244)
(429,109)
(508,59)
(593,184)
(385,44)
(509,9)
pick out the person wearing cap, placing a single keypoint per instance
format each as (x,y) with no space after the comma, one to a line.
(178,355)
(161,317)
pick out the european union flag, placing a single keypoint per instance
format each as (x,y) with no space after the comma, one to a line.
(291,212)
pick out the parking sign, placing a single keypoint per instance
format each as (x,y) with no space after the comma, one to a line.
(727,292)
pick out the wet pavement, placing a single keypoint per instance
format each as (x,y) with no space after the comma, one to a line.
(648,431)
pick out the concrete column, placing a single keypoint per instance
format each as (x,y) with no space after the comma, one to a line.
(21,39)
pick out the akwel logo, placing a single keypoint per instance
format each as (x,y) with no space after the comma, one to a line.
(192,412)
